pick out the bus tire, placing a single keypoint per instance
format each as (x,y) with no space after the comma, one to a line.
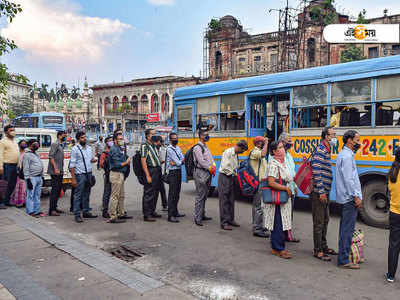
(373,211)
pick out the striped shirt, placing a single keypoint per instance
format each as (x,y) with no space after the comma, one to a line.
(149,152)
(322,169)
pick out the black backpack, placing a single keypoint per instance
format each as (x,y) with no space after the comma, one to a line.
(137,167)
(190,163)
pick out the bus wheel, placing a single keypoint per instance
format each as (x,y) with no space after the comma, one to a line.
(374,211)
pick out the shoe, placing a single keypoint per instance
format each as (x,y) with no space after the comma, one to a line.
(234,224)
(115,220)
(78,219)
(282,254)
(350,266)
(148,219)
(173,220)
(198,223)
(125,217)
(206,218)
(156,215)
(389,278)
(106,215)
(89,216)
(3,206)
(261,234)
(180,215)
(59,211)
(54,213)
(9,205)
(226,227)
(165,208)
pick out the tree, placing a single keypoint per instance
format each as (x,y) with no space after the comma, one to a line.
(352,53)
(324,13)
(362,17)
(21,105)
(214,24)
(74,92)
(43,92)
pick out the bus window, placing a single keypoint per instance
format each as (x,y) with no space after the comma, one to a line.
(232,112)
(388,88)
(208,121)
(351,91)
(52,120)
(185,118)
(207,117)
(310,117)
(45,141)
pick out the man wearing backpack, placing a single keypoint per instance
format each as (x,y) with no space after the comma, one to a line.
(259,166)
(227,173)
(204,169)
(105,165)
(152,170)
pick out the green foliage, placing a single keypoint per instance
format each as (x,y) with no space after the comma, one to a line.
(21,105)
(352,53)
(324,13)
(362,17)
(214,24)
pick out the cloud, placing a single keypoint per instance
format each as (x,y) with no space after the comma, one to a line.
(55,32)
(161,2)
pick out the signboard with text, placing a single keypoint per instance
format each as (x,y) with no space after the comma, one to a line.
(153,117)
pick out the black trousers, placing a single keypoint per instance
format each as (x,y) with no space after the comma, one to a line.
(226,199)
(10,175)
(56,186)
(175,183)
(150,192)
(394,243)
(106,192)
(163,194)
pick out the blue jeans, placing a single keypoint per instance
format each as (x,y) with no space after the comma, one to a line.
(346,230)
(277,234)
(33,196)
(81,195)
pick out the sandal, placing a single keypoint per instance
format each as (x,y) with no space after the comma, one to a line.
(330,251)
(323,256)
(350,266)
(282,254)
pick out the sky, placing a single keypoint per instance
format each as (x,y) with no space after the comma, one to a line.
(120,40)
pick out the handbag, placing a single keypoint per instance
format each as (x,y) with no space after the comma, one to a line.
(164,176)
(272,196)
(303,178)
(91,180)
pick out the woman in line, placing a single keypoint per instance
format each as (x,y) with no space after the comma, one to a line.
(277,218)
(18,197)
(394,218)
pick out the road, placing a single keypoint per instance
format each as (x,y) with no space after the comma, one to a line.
(210,263)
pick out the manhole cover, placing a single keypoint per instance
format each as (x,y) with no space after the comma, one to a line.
(126,252)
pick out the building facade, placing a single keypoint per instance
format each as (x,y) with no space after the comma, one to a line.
(126,105)
(15,91)
(233,53)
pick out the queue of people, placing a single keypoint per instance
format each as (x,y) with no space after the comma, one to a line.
(22,169)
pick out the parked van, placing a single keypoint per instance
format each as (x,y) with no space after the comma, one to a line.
(45,137)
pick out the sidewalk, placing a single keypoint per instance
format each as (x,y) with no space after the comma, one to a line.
(41,263)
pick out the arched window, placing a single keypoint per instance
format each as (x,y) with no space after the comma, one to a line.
(134,104)
(107,105)
(311,50)
(155,104)
(144,102)
(115,103)
(165,103)
(218,62)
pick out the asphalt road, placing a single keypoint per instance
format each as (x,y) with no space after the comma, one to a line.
(214,264)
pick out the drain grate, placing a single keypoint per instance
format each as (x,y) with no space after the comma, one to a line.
(126,252)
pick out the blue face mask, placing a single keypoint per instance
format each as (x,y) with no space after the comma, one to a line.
(206,138)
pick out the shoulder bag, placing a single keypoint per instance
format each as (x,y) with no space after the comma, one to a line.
(303,178)
(91,180)
(272,196)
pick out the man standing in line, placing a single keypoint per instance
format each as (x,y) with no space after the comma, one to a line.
(99,148)
(105,165)
(118,165)
(81,171)
(152,170)
(204,169)
(322,183)
(259,165)
(348,195)
(226,181)
(9,155)
(174,162)
(56,171)
(161,152)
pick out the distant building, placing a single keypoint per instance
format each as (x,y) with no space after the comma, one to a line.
(231,52)
(16,91)
(126,104)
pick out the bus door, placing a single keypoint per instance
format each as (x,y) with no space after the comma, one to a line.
(278,119)
(257,116)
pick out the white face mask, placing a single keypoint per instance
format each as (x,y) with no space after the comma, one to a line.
(333,142)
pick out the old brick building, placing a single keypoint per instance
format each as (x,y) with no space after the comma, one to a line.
(234,53)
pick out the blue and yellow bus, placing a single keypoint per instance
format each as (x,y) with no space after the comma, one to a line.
(362,95)
(47,120)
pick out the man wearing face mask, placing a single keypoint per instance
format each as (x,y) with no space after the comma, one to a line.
(161,152)
(322,182)
(204,169)
(119,162)
(56,171)
(105,165)
(9,155)
(33,172)
(226,181)
(152,169)
(348,195)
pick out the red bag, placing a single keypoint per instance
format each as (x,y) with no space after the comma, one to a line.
(303,178)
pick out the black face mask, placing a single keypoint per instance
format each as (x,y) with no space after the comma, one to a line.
(154,139)
(174,142)
(287,146)
(63,139)
(35,147)
(83,143)
(356,147)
